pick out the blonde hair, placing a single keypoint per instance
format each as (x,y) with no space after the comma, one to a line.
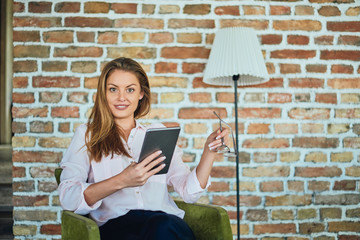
(103,136)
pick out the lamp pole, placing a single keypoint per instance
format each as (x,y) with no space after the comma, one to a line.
(235,79)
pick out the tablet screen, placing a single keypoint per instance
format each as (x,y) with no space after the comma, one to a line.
(163,139)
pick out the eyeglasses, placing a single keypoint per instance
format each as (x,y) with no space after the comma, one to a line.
(224,148)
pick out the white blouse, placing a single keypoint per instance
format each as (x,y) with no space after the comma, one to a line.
(79,173)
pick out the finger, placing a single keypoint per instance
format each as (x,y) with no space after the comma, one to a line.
(216,142)
(223,134)
(149,158)
(155,170)
(154,163)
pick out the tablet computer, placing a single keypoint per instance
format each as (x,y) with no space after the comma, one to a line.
(163,139)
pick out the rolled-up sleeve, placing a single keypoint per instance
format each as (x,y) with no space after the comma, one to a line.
(184,181)
(75,174)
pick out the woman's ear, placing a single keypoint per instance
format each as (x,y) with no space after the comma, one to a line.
(141,95)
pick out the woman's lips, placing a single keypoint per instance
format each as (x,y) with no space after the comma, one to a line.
(121,107)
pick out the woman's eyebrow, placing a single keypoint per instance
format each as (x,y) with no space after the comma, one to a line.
(131,85)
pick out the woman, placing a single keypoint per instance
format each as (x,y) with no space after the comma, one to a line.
(101,176)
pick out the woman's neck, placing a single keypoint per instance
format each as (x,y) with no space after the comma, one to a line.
(126,126)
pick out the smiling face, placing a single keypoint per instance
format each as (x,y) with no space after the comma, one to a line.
(123,92)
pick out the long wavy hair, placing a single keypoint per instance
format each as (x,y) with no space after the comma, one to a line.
(103,136)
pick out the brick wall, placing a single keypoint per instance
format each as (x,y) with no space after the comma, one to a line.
(299,133)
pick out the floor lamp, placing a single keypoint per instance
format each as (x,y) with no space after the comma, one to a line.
(236,60)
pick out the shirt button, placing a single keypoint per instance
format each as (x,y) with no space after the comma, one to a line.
(137,192)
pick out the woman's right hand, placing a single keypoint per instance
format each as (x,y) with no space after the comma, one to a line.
(136,174)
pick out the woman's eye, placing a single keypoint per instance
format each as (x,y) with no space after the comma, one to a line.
(112,89)
(130,90)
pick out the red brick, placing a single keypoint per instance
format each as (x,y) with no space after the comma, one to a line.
(221,172)
(30,201)
(342,68)
(317,68)
(18,127)
(96,7)
(326,98)
(353,26)
(293,54)
(78,97)
(306,82)
(347,113)
(22,112)
(275,228)
(317,171)
(18,7)
(193,67)
(140,23)
(25,66)
(189,38)
(32,51)
(193,23)
(124,8)
(309,113)
(273,171)
(272,186)
(62,82)
(67,7)
(344,226)
(42,22)
(324,40)
(340,54)
(39,7)
(258,128)
(329,11)
(78,52)
(185,52)
(201,113)
(202,97)
(279,97)
(45,157)
(352,142)
(85,36)
(58,36)
(54,66)
(166,67)
(289,68)
(345,185)
(286,128)
(160,38)
(280,10)
(266,143)
(315,142)
(50,97)
(26,36)
(131,52)
(227,10)
(295,25)
(23,97)
(288,200)
(256,24)
(88,22)
(304,10)
(197,9)
(108,37)
(65,112)
(224,200)
(18,172)
(253,10)
(259,113)
(344,83)
(20,82)
(349,40)
(272,39)
(309,228)
(50,229)
(298,40)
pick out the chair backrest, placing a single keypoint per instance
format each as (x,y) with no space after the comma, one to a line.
(57,174)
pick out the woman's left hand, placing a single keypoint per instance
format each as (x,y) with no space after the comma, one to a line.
(215,139)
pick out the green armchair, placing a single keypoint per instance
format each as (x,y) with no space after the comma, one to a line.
(207,222)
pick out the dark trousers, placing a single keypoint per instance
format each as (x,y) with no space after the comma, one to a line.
(146,225)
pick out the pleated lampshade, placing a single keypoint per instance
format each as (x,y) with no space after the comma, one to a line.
(236,50)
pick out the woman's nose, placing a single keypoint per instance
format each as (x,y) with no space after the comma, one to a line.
(121,96)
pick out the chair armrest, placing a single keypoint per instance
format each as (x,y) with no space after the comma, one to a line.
(77,227)
(207,222)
